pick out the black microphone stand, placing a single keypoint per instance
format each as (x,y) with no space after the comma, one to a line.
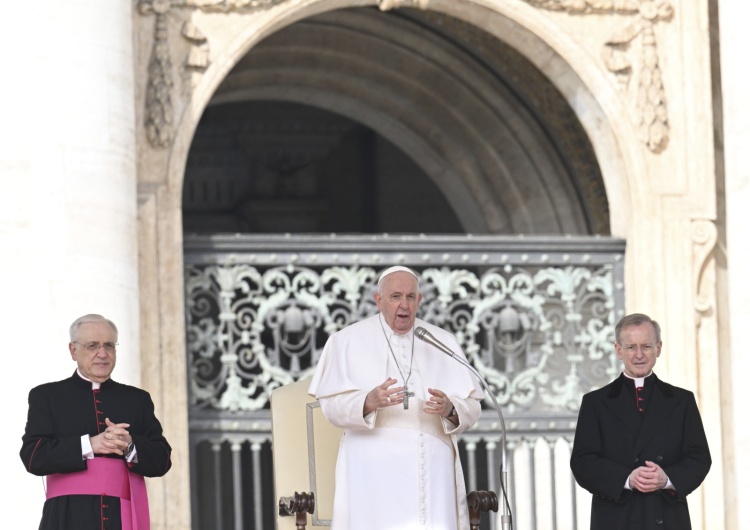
(506,519)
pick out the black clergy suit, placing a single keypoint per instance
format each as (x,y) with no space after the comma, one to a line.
(612,439)
(59,414)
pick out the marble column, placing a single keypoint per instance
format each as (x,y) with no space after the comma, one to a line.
(67,205)
(735,80)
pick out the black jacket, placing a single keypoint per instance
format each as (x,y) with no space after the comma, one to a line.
(59,414)
(612,438)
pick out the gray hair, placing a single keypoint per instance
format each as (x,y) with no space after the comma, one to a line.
(636,319)
(87,319)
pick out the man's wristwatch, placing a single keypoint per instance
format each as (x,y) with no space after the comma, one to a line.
(453,412)
(129,449)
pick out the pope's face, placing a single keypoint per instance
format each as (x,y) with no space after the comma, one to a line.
(94,350)
(638,349)
(399,301)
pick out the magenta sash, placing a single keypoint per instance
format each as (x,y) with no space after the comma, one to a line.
(111,477)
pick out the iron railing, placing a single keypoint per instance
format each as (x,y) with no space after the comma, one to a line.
(534,315)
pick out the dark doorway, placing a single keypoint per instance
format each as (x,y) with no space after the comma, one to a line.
(276,167)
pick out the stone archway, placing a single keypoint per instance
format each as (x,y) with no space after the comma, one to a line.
(627,171)
(557,59)
(495,137)
(472,119)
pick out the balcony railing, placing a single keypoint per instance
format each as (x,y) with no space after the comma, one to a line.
(535,316)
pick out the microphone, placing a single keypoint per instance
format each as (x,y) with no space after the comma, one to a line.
(422,334)
(429,338)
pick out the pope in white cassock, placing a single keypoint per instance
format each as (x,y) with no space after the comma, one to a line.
(401,403)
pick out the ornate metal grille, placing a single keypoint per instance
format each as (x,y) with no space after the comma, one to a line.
(534,315)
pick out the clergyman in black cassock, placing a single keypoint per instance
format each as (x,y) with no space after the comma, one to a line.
(87,417)
(639,452)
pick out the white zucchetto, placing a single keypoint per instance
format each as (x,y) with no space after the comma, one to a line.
(396,268)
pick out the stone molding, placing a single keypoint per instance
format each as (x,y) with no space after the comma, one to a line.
(704,236)
(652,120)
(386,5)
(160,120)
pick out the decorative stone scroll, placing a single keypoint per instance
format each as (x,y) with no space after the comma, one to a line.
(704,236)
(652,120)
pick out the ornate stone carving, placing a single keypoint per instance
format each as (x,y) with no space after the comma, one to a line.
(159,110)
(226,6)
(217,6)
(652,120)
(159,106)
(199,53)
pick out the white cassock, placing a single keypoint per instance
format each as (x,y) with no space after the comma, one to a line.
(397,468)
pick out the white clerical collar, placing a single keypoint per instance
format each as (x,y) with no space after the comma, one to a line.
(406,336)
(94,384)
(639,381)
(390,333)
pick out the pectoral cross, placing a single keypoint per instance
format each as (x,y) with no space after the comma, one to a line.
(407,395)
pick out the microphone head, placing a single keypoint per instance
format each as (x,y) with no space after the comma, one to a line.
(429,338)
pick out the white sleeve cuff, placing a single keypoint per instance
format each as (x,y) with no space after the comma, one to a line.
(132,456)
(87,452)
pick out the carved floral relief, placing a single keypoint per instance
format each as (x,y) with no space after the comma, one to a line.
(652,120)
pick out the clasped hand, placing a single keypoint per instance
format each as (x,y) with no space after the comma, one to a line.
(647,478)
(114,440)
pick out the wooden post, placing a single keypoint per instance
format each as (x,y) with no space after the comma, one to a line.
(299,505)
(479,502)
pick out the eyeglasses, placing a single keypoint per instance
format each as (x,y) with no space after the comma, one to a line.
(645,348)
(109,347)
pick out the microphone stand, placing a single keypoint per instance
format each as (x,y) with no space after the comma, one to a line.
(506,521)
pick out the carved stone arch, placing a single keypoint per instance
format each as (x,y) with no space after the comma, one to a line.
(462,125)
(586,86)
(478,135)
(582,81)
